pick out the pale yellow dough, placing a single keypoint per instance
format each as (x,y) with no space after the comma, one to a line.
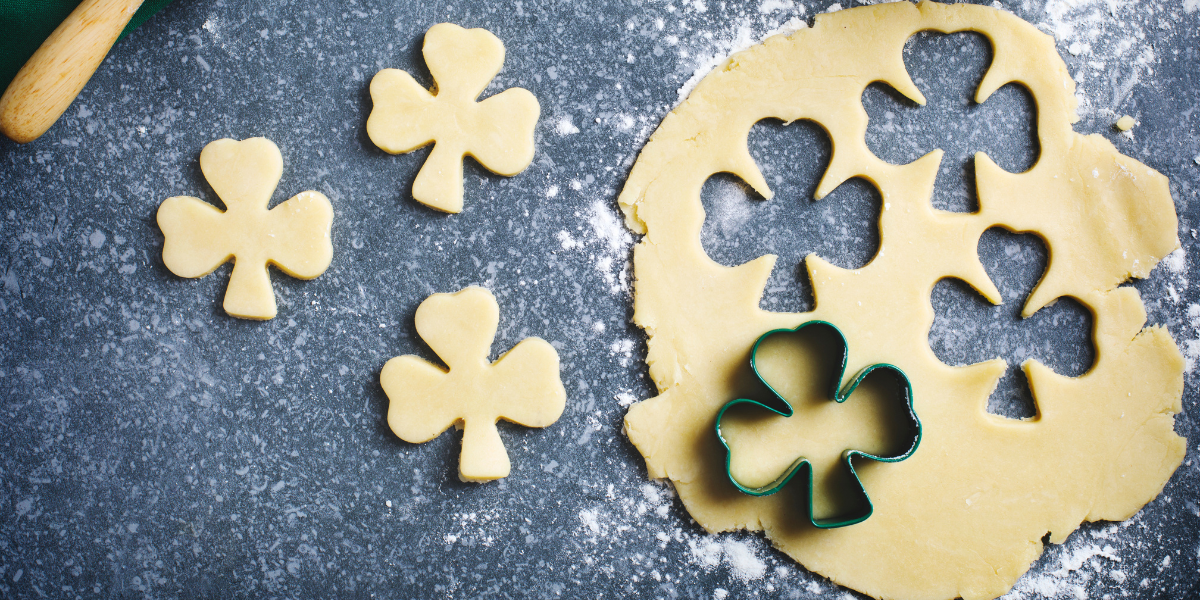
(965,514)
(497,132)
(1126,123)
(522,386)
(199,237)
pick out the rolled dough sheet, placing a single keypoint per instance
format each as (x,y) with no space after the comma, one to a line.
(965,515)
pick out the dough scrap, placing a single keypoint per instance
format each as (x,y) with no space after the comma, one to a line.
(522,386)
(497,132)
(965,514)
(294,236)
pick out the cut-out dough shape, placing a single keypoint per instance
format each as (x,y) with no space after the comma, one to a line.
(522,386)
(294,236)
(965,515)
(497,132)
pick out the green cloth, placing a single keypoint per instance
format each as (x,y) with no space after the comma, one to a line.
(25,24)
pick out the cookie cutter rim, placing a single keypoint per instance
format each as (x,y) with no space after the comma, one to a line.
(839,396)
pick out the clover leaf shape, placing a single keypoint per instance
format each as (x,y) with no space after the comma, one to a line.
(859,506)
(950,115)
(522,386)
(497,132)
(199,237)
(970,329)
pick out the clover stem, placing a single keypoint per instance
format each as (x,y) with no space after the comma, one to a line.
(439,184)
(483,455)
(249,295)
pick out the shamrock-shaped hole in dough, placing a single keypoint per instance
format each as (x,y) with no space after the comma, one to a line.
(948,69)
(804,419)
(739,226)
(967,329)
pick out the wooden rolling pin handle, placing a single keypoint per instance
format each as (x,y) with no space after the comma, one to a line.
(55,74)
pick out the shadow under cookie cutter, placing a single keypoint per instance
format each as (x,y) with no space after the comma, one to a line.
(778,405)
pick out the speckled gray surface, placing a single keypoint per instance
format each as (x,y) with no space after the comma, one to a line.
(151,446)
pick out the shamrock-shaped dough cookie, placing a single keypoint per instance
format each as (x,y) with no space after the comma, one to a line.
(497,132)
(199,237)
(522,386)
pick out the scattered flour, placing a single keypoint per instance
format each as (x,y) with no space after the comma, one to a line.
(625,398)
(213,27)
(591,520)
(564,126)
(728,212)
(568,242)
(742,560)
(613,261)
(652,493)
(770,6)
(1189,7)
(1075,560)
(623,349)
(1109,38)
(1081,562)
(739,556)
(706,552)
(1191,347)
(1176,261)
(609,239)
(611,231)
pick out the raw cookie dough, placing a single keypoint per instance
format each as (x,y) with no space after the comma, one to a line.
(522,386)
(965,514)
(199,237)
(497,132)
(1126,123)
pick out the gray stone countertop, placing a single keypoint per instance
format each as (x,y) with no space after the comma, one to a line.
(152,446)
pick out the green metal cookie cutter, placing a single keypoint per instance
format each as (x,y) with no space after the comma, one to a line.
(781,407)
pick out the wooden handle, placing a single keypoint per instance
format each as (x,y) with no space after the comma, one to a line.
(55,74)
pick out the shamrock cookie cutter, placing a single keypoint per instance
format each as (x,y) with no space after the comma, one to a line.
(780,406)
